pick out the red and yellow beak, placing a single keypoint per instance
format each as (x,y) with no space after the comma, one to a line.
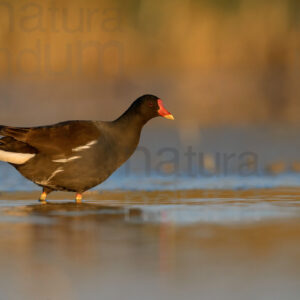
(163,112)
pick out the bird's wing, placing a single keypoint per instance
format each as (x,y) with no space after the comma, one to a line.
(55,139)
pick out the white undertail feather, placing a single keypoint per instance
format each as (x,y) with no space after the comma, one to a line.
(84,147)
(15,157)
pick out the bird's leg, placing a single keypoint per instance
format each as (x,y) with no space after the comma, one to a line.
(78,198)
(43,197)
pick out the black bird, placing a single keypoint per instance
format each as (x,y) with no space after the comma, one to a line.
(77,155)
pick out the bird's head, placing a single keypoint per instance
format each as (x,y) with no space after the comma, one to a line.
(150,106)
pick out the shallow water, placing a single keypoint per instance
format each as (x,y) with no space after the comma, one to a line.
(150,235)
(213,244)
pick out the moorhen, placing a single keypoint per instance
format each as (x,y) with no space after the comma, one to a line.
(77,155)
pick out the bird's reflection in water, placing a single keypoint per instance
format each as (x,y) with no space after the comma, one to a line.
(64,242)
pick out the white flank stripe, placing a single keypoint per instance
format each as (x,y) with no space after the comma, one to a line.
(47,181)
(14,157)
(54,173)
(65,160)
(84,147)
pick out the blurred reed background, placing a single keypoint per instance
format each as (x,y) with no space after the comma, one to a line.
(214,62)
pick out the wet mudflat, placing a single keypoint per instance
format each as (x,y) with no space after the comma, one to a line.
(151,245)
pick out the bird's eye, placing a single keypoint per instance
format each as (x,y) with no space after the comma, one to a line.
(151,104)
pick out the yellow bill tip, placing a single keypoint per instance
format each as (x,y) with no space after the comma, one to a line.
(169,117)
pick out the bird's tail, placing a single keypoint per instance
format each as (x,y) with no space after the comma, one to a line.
(1,128)
(13,151)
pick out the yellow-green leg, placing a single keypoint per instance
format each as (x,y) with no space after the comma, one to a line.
(78,198)
(44,194)
(43,197)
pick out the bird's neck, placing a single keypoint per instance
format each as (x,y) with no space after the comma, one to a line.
(127,129)
(131,120)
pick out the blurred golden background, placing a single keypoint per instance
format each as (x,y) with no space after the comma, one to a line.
(214,62)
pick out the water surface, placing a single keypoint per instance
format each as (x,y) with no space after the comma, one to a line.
(212,244)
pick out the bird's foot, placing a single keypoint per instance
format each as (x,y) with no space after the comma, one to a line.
(43,197)
(78,198)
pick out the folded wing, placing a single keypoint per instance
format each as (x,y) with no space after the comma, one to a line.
(55,139)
